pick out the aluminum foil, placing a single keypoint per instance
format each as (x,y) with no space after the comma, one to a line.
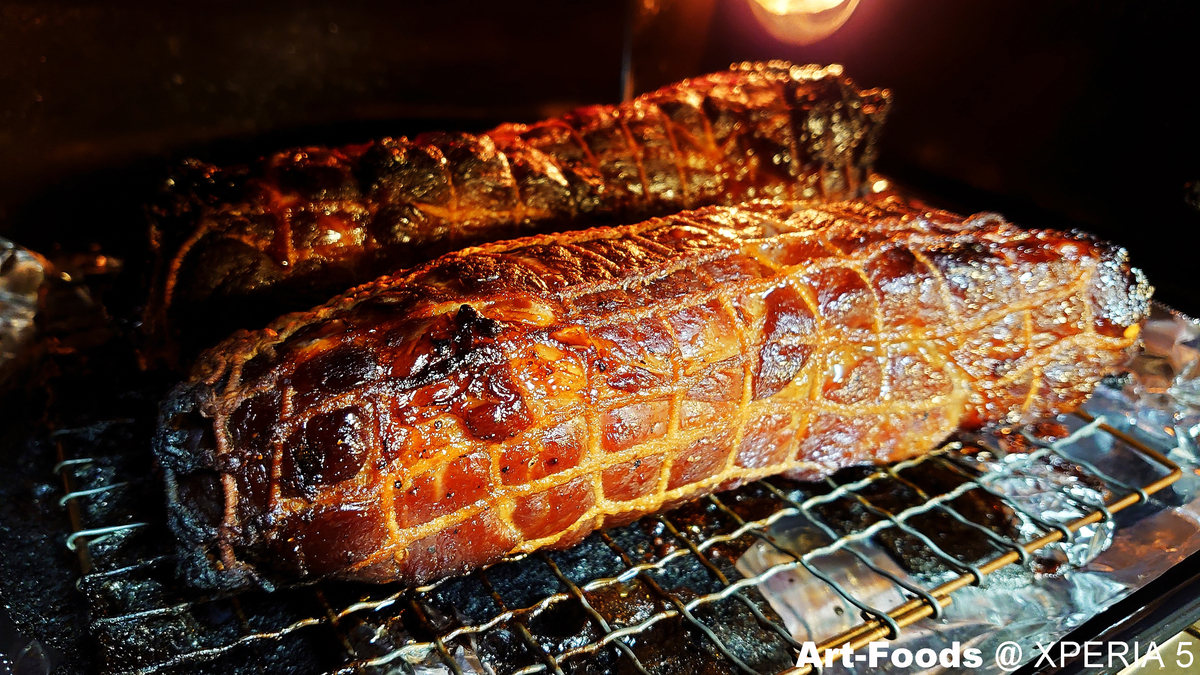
(1158,403)
(21,274)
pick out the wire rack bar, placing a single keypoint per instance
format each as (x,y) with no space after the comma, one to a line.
(862,557)
(680,607)
(93,491)
(720,576)
(912,532)
(805,561)
(438,642)
(334,621)
(970,474)
(1000,541)
(522,630)
(596,616)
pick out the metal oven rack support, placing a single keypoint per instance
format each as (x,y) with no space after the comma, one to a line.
(446,644)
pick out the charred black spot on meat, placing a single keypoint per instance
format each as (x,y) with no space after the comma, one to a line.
(204,497)
(316,174)
(472,325)
(329,449)
(333,372)
(187,440)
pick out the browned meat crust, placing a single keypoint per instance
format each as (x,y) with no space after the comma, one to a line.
(520,394)
(239,246)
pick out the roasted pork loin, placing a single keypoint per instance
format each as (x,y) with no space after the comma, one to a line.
(238,246)
(520,394)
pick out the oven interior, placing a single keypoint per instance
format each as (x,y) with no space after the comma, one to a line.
(1070,115)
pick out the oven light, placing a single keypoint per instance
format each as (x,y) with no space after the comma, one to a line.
(802,22)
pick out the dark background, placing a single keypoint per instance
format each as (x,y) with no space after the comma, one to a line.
(1062,113)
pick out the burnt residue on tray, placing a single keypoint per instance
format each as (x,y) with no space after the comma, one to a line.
(890,496)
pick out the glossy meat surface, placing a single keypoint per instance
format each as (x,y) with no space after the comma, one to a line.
(520,394)
(238,246)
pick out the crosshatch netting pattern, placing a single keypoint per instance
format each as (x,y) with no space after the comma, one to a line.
(656,596)
(621,370)
(333,217)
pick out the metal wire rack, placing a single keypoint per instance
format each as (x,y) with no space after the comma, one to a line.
(644,598)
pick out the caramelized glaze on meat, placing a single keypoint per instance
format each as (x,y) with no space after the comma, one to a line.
(239,246)
(520,394)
